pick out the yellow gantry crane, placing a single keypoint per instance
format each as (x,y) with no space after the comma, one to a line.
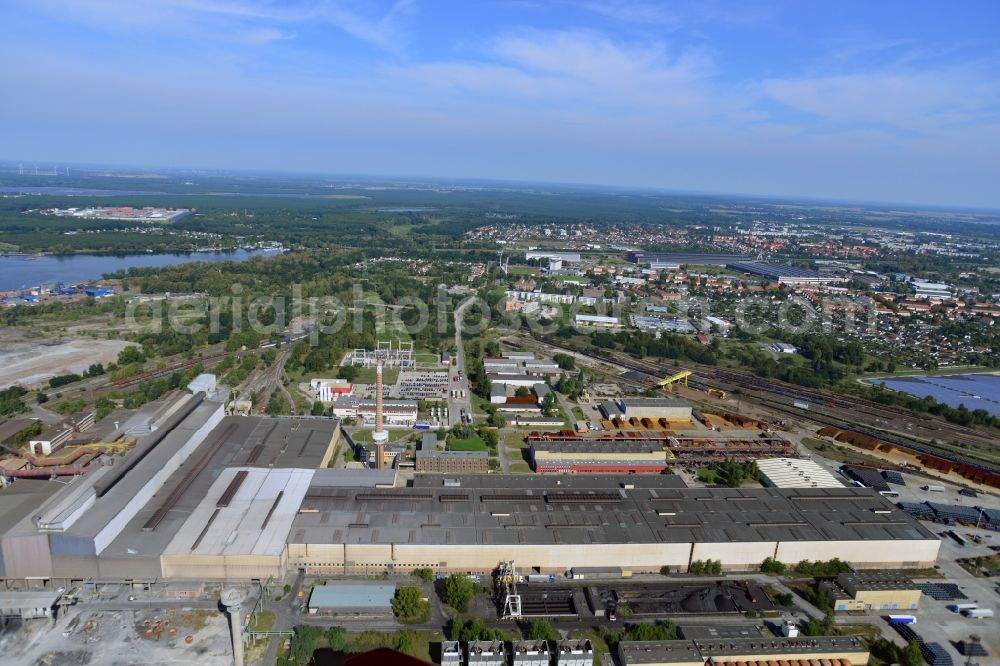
(668,382)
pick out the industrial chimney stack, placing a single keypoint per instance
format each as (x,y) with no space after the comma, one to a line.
(379,436)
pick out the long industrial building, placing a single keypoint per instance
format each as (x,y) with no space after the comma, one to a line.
(212,497)
(621,457)
(556,523)
(783,273)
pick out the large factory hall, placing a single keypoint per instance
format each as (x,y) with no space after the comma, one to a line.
(202,495)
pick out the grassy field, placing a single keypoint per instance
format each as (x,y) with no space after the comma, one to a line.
(470,444)
(364,436)
(367,376)
(265,620)
(514,440)
(520,468)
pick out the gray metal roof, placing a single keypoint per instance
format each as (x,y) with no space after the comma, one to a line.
(362,595)
(582,510)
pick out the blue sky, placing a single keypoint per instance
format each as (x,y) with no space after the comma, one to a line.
(878,101)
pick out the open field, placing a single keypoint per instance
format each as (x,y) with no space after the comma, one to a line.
(30,364)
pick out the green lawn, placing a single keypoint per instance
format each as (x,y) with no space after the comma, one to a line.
(470,444)
(365,435)
(367,376)
(520,468)
(514,440)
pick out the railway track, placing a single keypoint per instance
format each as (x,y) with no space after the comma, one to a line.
(764,391)
(160,372)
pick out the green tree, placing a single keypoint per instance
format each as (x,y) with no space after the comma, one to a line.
(565,361)
(458,592)
(348,372)
(910,655)
(773,567)
(336,637)
(409,605)
(665,570)
(317,408)
(541,630)
(275,405)
(304,643)
(424,574)
(131,354)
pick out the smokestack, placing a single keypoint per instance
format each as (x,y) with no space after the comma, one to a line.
(378,398)
(379,436)
(231,599)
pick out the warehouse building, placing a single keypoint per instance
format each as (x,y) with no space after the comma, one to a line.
(568,257)
(597,320)
(671,409)
(556,523)
(795,473)
(353,600)
(28,604)
(598,458)
(804,651)
(782,273)
(869,591)
(328,390)
(396,413)
(431,459)
(116,522)
(669,259)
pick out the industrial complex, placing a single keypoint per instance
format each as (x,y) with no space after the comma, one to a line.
(208,496)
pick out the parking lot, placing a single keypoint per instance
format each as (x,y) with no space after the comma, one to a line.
(412,385)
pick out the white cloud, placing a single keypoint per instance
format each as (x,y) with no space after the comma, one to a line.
(925,100)
(575,72)
(246,19)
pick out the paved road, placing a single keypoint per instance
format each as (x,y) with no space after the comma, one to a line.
(567,408)
(456,405)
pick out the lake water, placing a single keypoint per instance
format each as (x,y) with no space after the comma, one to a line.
(20,272)
(975,391)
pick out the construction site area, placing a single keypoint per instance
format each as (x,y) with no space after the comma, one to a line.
(175,637)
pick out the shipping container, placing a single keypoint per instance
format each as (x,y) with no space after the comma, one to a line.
(541,578)
(902,619)
(800,404)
